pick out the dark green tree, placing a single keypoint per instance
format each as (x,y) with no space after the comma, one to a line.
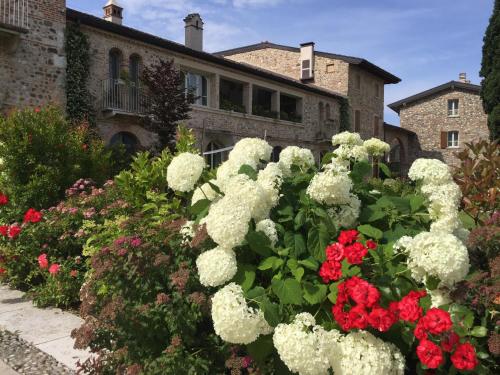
(490,71)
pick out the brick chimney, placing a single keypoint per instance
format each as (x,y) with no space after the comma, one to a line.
(194,31)
(307,61)
(462,77)
(113,12)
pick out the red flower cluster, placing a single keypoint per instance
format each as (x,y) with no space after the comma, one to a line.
(346,248)
(32,216)
(10,231)
(43,262)
(3,199)
(408,309)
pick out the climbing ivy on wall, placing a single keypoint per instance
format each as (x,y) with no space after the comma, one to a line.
(78,98)
(345,117)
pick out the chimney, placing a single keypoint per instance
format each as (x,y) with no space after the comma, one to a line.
(194,31)
(113,12)
(462,77)
(307,61)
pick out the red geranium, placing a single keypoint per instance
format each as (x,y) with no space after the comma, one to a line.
(371,244)
(4,230)
(341,317)
(437,321)
(429,354)
(335,252)
(362,292)
(347,237)
(464,357)
(54,268)
(355,253)
(408,308)
(14,231)
(43,262)
(32,216)
(330,271)
(420,332)
(358,317)
(381,319)
(449,341)
(3,199)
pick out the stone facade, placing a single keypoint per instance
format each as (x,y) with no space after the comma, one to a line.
(404,148)
(32,59)
(428,118)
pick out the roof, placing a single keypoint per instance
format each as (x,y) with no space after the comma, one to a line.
(127,32)
(398,128)
(452,85)
(362,63)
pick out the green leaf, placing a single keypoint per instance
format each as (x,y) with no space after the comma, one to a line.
(288,291)
(259,243)
(416,202)
(269,263)
(384,168)
(299,244)
(271,312)
(314,294)
(245,276)
(199,206)
(255,292)
(370,231)
(292,264)
(432,282)
(317,241)
(249,171)
(467,220)
(261,348)
(479,331)
(299,220)
(360,170)
(298,273)
(309,263)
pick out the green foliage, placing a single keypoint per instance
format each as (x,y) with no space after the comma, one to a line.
(490,71)
(78,98)
(43,155)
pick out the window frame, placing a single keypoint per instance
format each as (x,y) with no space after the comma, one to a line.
(453,111)
(454,141)
(201,93)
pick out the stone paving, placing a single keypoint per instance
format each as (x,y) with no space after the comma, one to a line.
(36,341)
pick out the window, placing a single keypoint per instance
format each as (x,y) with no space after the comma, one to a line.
(134,63)
(275,156)
(357,121)
(128,140)
(452,139)
(115,61)
(306,69)
(291,108)
(330,68)
(358,82)
(264,102)
(214,159)
(198,86)
(453,107)
(231,96)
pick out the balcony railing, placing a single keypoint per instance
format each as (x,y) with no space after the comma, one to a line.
(14,13)
(123,96)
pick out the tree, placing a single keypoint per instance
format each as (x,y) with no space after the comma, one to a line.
(168,101)
(490,71)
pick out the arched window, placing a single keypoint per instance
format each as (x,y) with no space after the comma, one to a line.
(321,110)
(275,156)
(128,140)
(214,159)
(134,69)
(115,61)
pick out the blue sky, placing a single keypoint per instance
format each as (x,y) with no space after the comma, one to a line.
(424,42)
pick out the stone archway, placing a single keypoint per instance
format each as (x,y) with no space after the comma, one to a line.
(396,157)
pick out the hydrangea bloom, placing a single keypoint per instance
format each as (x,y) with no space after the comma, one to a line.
(345,215)
(227,222)
(225,172)
(429,171)
(270,179)
(205,191)
(361,353)
(251,194)
(347,138)
(330,188)
(216,266)
(250,151)
(304,347)
(184,171)
(346,152)
(293,155)
(376,147)
(234,321)
(268,227)
(427,257)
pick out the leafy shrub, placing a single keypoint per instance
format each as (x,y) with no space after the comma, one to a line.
(43,155)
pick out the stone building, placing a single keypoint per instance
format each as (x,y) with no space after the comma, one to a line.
(296,100)
(444,119)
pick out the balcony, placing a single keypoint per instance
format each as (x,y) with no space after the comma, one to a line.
(119,97)
(14,16)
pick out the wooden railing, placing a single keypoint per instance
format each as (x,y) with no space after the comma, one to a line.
(15,13)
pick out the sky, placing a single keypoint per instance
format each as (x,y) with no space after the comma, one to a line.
(424,42)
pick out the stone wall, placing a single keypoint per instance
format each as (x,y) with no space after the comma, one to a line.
(210,123)
(32,64)
(428,117)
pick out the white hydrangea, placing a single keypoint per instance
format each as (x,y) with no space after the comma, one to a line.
(347,138)
(233,320)
(270,179)
(345,215)
(227,222)
(187,232)
(444,221)
(439,297)
(293,155)
(361,353)
(268,227)
(305,347)
(330,188)
(217,266)
(250,151)
(376,147)
(184,171)
(429,171)
(225,172)
(205,191)
(447,194)
(250,194)
(403,243)
(346,152)
(337,165)
(438,254)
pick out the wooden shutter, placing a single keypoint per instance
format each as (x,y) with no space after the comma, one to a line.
(444,139)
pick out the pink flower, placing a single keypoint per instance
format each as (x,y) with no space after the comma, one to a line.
(122,252)
(136,242)
(54,268)
(14,231)
(43,262)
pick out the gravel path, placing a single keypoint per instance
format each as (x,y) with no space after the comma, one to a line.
(25,358)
